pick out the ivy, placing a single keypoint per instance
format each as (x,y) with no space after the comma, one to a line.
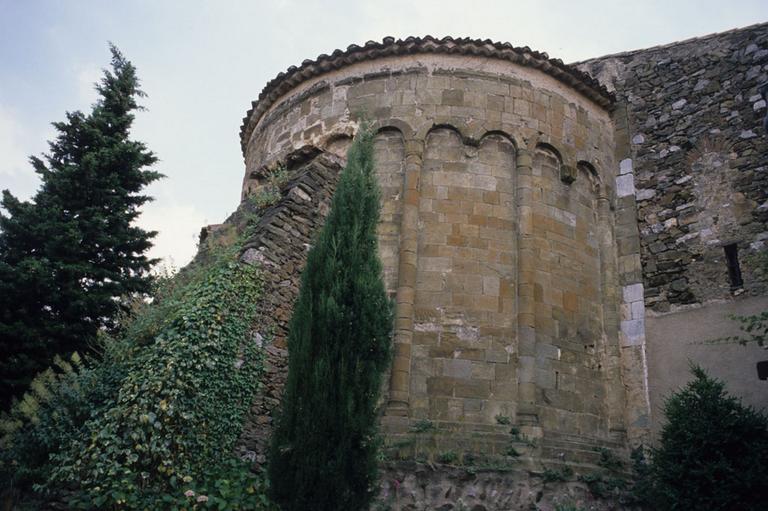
(181,406)
(159,416)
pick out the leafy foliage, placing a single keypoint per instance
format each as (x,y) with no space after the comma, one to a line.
(448,457)
(754,329)
(156,420)
(422,426)
(713,452)
(48,416)
(323,451)
(269,192)
(608,459)
(66,256)
(603,485)
(503,420)
(551,475)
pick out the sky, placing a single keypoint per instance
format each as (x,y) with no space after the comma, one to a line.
(201,64)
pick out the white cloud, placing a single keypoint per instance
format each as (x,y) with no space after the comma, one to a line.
(87,76)
(13,153)
(178,227)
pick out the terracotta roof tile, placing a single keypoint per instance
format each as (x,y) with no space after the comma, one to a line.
(389,46)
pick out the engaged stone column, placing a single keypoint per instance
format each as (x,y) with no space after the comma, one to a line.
(615,398)
(406,288)
(526,264)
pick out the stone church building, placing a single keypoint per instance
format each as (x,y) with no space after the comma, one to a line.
(559,240)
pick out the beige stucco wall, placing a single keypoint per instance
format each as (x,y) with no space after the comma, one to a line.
(676,338)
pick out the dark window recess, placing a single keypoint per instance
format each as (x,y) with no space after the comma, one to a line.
(734,271)
(762,370)
(557,380)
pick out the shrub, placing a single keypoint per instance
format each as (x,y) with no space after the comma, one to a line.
(156,420)
(448,457)
(180,407)
(713,452)
(422,426)
(557,474)
(52,415)
(323,454)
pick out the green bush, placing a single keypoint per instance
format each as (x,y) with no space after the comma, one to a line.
(713,452)
(448,457)
(52,415)
(557,474)
(422,426)
(155,422)
(323,454)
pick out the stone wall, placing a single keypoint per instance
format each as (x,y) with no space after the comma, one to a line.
(545,242)
(693,171)
(696,161)
(280,241)
(499,244)
(412,486)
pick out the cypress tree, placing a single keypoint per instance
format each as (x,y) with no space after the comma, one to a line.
(323,450)
(67,256)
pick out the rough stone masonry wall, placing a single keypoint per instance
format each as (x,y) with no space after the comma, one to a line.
(280,241)
(497,239)
(696,160)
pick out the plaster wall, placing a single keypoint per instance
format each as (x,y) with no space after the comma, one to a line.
(675,340)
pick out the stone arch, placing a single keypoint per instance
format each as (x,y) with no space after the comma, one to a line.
(458,127)
(338,144)
(546,156)
(567,294)
(397,124)
(501,133)
(465,319)
(588,168)
(591,175)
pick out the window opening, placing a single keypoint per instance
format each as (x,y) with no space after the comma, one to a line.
(734,270)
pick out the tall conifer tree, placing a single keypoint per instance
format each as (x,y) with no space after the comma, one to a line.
(66,256)
(323,451)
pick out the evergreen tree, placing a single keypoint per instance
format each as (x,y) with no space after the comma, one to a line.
(713,452)
(323,451)
(68,255)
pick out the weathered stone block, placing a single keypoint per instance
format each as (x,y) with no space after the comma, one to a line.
(479,389)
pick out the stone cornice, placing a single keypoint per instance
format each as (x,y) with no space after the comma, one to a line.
(389,47)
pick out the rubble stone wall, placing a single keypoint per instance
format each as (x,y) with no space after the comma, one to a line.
(693,160)
(696,161)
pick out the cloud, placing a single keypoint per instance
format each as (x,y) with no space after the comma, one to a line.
(178,227)
(13,153)
(87,76)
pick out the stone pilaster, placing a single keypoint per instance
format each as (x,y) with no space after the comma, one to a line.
(526,332)
(614,391)
(399,388)
(632,318)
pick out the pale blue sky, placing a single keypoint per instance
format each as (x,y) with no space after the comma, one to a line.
(201,63)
